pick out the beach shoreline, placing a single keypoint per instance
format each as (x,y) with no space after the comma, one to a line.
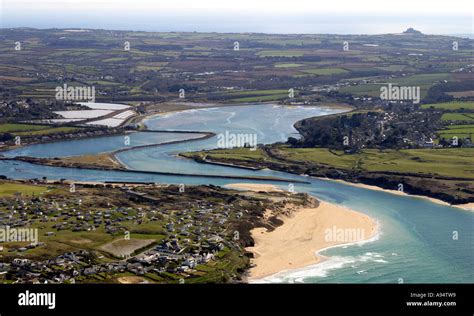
(466,207)
(189,106)
(257,187)
(312,230)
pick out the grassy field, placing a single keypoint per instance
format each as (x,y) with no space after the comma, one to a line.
(463,130)
(273,97)
(446,162)
(454,162)
(12,127)
(463,126)
(394,68)
(259,95)
(459,131)
(48,131)
(421,80)
(424,81)
(257,92)
(146,68)
(373,90)
(114,59)
(347,114)
(325,71)
(34,130)
(102,160)
(10,189)
(450,105)
(458,117)
(280,53)
(67,240)
(366,89)
(103,83)
(238,153)
(288,65)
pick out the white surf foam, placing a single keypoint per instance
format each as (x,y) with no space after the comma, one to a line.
(322,269)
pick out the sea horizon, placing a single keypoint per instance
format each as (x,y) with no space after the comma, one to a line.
(460,35)
(298,24)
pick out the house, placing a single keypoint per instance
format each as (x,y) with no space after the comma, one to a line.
(91,270)
(428,144)
(170,227)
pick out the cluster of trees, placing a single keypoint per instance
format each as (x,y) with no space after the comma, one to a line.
(437,93)
(5,137)
(337,132)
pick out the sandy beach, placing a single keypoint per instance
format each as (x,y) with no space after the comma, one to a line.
(467,206)
(376,188)
(294,244)
(253,187)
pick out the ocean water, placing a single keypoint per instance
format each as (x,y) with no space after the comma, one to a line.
(288,22)
(415,240)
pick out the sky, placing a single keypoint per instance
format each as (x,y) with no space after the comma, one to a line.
(267,16)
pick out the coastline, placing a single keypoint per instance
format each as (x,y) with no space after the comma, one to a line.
(296,243)
(257,187)
(466,207)
(469,206)
(119,166)
(187,106)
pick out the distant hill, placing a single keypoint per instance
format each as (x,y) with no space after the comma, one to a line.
(412,31)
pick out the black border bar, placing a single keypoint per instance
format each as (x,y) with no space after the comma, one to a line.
(245,299)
